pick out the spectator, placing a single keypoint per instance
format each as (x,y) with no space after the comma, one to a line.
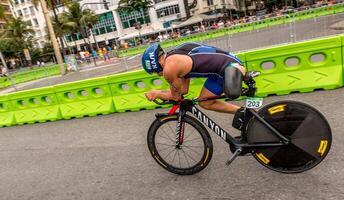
(202,28)
(82,56)
(105,54)
(160,37)
(88,56)
(220,24)
(100,53)
(94,54)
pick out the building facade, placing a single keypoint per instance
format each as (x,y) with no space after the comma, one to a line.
(113,24)
(214,6)
(34,17)
(7,11)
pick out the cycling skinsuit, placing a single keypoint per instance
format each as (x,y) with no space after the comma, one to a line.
(207,61)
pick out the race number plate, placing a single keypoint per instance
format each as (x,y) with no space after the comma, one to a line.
(254,102)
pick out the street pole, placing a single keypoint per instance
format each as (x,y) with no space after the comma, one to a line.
(52,36)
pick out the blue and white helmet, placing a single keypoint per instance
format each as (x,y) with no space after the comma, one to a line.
(150,58)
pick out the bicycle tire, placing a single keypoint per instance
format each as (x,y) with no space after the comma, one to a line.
(307,128)
(200,130)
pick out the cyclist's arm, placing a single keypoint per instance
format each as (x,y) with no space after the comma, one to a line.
(185,87)
(167,95)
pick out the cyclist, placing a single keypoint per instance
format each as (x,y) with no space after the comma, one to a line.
(191,60)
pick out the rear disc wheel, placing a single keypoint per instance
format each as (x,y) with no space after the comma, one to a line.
(309,133)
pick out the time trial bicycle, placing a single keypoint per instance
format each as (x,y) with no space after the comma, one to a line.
(284,136)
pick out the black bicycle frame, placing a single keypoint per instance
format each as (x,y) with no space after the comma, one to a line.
(189,106)
(186,105)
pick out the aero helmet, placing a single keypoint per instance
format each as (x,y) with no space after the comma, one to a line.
(150,58)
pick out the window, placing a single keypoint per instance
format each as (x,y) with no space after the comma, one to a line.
(106,24)
(130,19)
(32,10)
(29,23)
(210,2)
(20,13)
(35,22)
(26,11)
(22,1)
(16,2)
(169,10)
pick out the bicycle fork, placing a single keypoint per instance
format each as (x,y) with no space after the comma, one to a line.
(180,130)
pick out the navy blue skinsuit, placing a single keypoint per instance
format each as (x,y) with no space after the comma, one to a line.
(207,61)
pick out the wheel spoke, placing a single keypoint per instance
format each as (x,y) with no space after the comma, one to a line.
(167,135)
(163,149)
(174,156)
(189,156)
(169,153)
(187,161)
(193,140)
(173,131)
(192,150)
(171,145)
(189,134)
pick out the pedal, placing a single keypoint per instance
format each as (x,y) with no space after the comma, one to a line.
(234,155)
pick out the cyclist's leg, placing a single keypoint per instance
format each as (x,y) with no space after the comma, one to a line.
(213,87)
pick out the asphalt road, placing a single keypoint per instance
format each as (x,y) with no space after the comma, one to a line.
(280,34)
(106,157)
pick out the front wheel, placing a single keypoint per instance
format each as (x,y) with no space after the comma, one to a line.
(193,155)
(309,133)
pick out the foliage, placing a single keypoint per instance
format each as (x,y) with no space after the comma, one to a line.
(74,19)
(15,37)
(128,6)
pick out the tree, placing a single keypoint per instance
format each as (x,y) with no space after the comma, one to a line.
(189,7)
(74,19)
(51,4)
(128,6)
(16,36)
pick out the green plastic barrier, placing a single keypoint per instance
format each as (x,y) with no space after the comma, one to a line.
(128,90)
(300,67)
(84,98)
(342,37)
(6,112)
(4,82)
(36,105)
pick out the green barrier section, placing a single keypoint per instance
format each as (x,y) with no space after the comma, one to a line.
(26,75)
(342,37)
(128,90)
(84,98)
(300,67)
(6,112)
(4,82)
(37,105)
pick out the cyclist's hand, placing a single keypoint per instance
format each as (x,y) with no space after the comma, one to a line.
(151,95)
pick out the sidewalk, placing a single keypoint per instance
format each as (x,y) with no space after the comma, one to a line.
(84,72)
